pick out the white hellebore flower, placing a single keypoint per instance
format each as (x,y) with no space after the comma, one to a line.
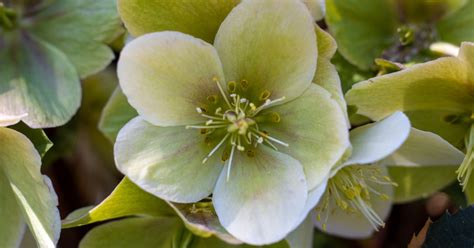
(358,195)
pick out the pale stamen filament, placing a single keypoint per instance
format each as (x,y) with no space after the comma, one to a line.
(205,127)
(268,103)
(215,79)
(266,136)
(229,164)
(216,148)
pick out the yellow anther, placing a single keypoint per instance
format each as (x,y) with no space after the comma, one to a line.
(342,204)
(244,84)
(251,153)
(275,117)
(325,227)
(252,106)
(385,197)
(388,179)
(212,99)
(264,95)
(225,156)
(231,86)
(215,79)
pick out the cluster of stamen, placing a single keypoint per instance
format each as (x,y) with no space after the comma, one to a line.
(350,190)
(465,170)
(239,118)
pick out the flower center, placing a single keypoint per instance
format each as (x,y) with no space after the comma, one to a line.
(236,121)
(351,190)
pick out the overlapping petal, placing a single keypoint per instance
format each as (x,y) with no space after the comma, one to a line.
(20,164)
(425,149)
(36,78)
(263,197)
(376,141)
(166,161)
(199,18)
(167,75)
(444,84)
(12,225)
(8,120)
(271,44)
(315,128)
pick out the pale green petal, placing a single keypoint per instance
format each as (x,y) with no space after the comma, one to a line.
(442,84)
(136,233)
(457,27)
(362,28)
(355,225)
(35,79)
(167,75)
(8,120)
(263,196)
(199,18)
(20,163)
(80,30)
(317,8)
(466,54)
(272,45)
(420,182)
(326,75)
(167,161)
(12,225)
(302,237)
(374,142)
(440,122)
(127,199)
(312,200)
(116,113)
(425,149)
(315,128)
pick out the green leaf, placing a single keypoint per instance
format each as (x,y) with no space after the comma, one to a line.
(199,18)
(80,29)
(375,21)
(326,75)
(349,73)
(36,77)
(117,112)
(420,182)
(153,232)
(146,232)
(452,230)
(126,200)
(457,27)
(20,166)
(37,136)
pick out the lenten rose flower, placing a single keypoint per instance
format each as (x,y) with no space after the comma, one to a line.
(360,192)
(240,120)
